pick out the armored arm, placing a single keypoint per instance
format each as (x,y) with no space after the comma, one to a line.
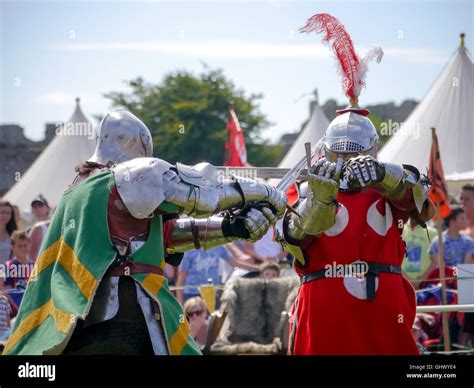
(145,183)
(316,209)
(404,187)
(401,184)
(206,233)
(318,203)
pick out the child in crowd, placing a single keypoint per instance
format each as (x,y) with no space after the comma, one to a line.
(19,267)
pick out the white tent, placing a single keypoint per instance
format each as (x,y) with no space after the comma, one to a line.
(448,107)
(313,131)
(52,172)
(457,181)
(462,177)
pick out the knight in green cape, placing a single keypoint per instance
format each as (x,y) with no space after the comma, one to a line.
(98,285)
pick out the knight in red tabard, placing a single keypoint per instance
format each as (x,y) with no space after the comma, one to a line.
(347,240)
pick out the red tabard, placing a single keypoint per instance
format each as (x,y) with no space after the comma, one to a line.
(333,315)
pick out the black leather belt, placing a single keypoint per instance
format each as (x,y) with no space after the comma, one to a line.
(373,270)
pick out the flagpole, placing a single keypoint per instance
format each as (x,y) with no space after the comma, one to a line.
(228,151)
(442,272)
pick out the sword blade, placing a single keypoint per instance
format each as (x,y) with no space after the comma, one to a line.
(258,172)
(287,175)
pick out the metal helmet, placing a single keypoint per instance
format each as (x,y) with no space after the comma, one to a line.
(121,136)
(351,132)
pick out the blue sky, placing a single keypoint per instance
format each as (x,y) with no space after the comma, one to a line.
(52,52)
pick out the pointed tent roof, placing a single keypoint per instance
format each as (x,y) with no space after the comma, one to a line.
(448,107)
(313,131)
(52,172)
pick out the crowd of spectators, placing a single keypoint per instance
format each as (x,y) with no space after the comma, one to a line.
(265,259)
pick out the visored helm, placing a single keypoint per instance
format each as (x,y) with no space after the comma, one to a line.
(121,136)
(351,133)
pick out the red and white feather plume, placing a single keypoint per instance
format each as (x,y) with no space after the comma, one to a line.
(352,68)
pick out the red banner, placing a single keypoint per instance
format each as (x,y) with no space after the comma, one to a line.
(439,188)
(235,150)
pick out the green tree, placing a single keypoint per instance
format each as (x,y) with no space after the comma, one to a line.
(187,116)
(377,121)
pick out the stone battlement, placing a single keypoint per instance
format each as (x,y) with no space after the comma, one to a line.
(17,152)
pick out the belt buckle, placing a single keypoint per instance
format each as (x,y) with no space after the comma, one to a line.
(362,268)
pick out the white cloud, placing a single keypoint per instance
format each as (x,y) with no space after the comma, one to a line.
(249,50)
(416,55)
(213,49)
(61,98)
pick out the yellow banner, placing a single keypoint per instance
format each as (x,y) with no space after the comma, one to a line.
(208,294)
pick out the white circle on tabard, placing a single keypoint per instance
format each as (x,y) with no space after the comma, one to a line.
(341,222)
(357,287)
(378,222)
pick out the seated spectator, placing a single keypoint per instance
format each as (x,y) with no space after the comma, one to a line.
(23,219)
(265,249)
(171,273)
(19,268)
(258,253)
(200,268)
(7,227)
(269,270)
(5,324)
(419,335)
(457,248)
(41,210)
(467,200)
(286,265)
(251,260)
(466,335)
(196,314)
(417,260)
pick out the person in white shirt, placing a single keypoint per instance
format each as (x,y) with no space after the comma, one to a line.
(41,210)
